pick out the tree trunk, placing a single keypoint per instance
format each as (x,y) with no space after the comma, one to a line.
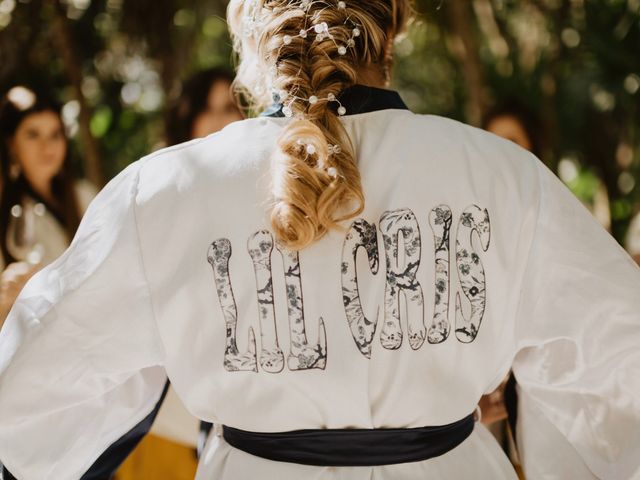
(462,27)
(63,38)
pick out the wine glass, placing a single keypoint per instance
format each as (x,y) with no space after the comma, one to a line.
(22,235)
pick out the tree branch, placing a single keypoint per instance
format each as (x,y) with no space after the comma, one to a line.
(462,27)
(63,38)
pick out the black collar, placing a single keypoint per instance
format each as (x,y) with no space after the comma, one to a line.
(357,99)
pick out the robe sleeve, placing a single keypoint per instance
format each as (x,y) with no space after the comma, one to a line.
(578,346)
(80,354)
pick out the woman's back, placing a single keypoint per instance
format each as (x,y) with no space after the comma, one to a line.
(469,253)
(323,322)
(406,317)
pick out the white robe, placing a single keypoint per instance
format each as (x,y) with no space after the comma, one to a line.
(540,288)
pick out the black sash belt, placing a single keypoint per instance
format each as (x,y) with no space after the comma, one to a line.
(352,447)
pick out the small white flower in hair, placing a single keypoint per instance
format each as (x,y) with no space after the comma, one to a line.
(321,27)
(332,172)
(308,147)
(342,5)
(334,149)
(280,96)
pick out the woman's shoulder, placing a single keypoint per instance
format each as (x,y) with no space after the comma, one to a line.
(237,135)
(441,126)
(430,141)
(237,146)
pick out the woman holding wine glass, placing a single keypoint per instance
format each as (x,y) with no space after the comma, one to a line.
(41,202)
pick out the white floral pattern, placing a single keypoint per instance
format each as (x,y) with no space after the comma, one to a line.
(260,246)
(471,271)
(362,234)
(218,257)
(302,356)
(440,220)
(402,279)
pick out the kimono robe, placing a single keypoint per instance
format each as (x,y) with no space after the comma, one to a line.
(470,259)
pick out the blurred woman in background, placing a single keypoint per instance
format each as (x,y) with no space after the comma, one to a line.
(513,121)
(632,239)
(205,106)
(42,201)
(516,123)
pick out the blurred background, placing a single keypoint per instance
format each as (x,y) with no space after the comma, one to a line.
(560,77)
(572,65)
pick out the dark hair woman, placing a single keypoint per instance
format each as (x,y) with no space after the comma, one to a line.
(246,267)
(206,105)
(513,121)
(37,179)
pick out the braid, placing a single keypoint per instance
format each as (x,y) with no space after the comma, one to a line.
(313,50)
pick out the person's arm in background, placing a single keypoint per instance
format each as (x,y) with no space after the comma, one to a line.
(578,336)
(80,354)
(12,281)
(632,241)
(14,277)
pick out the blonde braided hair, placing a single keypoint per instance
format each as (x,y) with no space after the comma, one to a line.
(316,185)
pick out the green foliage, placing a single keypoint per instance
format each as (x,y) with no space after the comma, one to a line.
(574,63)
